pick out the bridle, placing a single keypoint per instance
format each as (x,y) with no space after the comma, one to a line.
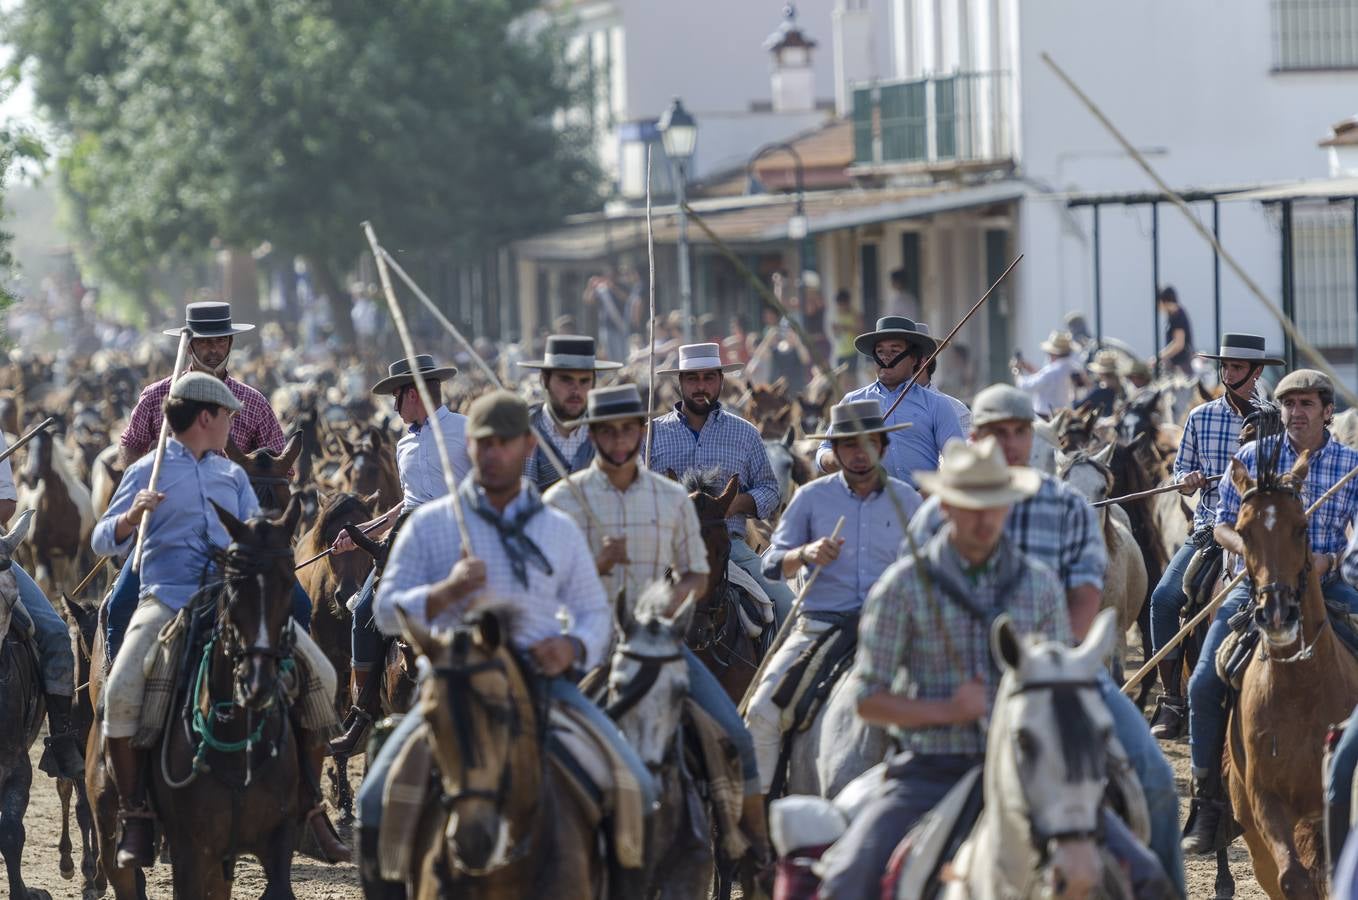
(1283,593)
(641,685)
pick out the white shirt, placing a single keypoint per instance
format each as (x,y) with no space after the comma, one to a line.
(1050,386)
(417,458)
(7,491)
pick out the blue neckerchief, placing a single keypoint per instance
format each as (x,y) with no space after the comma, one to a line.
(519,548)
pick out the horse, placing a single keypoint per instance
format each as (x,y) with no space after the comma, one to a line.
(82,623)
(232,727)
(504,823)
(1301,680)
(64,515)
(717,635)
(368,467)
(1047,765)
(790,470)
(21,712)
(399,674)
(268,472)
(811,407)
(768,408)
(106,473)
(647,685)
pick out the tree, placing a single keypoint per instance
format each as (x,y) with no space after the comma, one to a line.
(294,120)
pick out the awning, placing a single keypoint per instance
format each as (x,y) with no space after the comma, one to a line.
(1314,189)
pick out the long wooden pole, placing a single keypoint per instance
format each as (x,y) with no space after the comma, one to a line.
(1162,489)
(27,436)
(185,335)
(1219,598)
(650,259)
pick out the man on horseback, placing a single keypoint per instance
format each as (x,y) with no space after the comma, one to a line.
(1057,527)
(63,758)
(523,555)
(701,433)
(897,347)
(1052,387)
(421,475)
(184,531)
(1211,437)
(848,565)
(569,370)
(1307,400)
(647,527)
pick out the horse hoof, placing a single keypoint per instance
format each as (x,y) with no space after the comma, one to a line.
(67,871)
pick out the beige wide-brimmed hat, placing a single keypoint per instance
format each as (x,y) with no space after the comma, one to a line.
(975,476)
(1057,344)
(1107,362)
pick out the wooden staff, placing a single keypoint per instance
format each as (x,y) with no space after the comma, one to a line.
(1219,598)
(85,582)
(1162,489)
(185,335)
(1298,340)
(322,555)
(421,387)
(28,436)
(951,334)
(650,258)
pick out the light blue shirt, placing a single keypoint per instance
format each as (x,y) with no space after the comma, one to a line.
(911,449)
(184,528)
(872,535)
(417,458)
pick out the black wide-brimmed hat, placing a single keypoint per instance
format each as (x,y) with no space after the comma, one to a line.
(1242,347)
(572,352)
(617,401)
(854,418)
(894,327)
(398,373)
(209,319)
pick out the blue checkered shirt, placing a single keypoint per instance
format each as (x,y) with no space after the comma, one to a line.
(1211,438)
(1056,526)
(728,443)
(1329,464)
(913,449)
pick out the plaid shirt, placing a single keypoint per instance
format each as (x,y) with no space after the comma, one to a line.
(902,646)
(654,514)
(574,450)
(1211,437)
(728,443)
(1056,526)
(1332,462)
(255,425)
(913,449)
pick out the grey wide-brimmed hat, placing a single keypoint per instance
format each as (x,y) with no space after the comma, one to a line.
(854,418)
(1242,347)
(894,327)
(617,401)
(975,476)
(209,319)
(204,388)
(700,358)
(398,373)
(570,351)
(1001,403)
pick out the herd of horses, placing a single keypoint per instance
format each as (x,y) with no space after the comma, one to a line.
(488,834)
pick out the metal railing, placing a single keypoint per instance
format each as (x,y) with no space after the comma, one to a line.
(1315,34)
(960,117)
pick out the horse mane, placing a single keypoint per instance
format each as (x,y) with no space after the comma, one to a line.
(1268,442)
(313,541)
(1074,731)
(708,480)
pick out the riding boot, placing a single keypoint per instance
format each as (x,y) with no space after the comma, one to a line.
(327,841)
(62,757)
(1202,833)
(754,822)
(136,846)
(1171,714)
(367,707)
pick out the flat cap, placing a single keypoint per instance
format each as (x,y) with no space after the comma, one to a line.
(497,414)
(1000,403)
(1304,380)
(203,388)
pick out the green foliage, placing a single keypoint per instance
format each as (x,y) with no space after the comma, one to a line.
(294,120)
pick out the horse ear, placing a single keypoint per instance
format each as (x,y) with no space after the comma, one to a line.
(671,475)
(791,436)
(1005,644)
(1104,456)
(16,535)
(489,630)
(1300,468)
(728,496)
(233,453)
(1099,643)
(416,634)
(291,450)
(1240,477)
(621,613)
(1062,458)
(683,617)
(291,516)
(234,527)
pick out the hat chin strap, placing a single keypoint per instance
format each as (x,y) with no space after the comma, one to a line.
(894,362)
(1235,388)
(218,372)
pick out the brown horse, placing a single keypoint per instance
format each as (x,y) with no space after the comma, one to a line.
(369,466)
(81,622)
(505,825)
(769,408)
(399,674)
(1302,680)
(268,472)
(58,544)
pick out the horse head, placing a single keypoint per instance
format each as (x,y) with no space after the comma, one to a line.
(712,508)
(364,461)
(1047,754)
(9,588)
(783,461)
(648,678)
(1074,428)
(477,711)
(1088,473)
(268,471)
(38,462)
(1273,525)
(769,409)
(1140,419)
(257,602)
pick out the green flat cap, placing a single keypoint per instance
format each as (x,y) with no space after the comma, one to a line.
(203,388)
(497,414)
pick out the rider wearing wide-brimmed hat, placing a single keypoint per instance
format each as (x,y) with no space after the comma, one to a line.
(897,348)
(1107,367)
(1052,387)
(569,368)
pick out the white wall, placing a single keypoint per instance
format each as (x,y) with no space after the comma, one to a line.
(1191,80)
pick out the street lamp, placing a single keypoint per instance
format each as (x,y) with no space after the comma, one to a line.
(797,228)
(679,132)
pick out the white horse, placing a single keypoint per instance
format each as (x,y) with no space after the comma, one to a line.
(836,747)
(1048,754)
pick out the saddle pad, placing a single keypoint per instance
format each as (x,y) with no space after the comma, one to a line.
(572,733)
(798,821)
(721,764)
(755,591)
(403,799)
(162,668)
(928,841)
(829,651)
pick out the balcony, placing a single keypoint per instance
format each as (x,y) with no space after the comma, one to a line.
(956,121)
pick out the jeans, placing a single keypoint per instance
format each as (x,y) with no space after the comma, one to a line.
(365,641)
(708,693)
(778,592)
(1207,693)
(1155,775)
(1168,599)
(1339,779)
(126,595)
(53,640)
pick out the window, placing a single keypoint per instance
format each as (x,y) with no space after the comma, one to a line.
(1322,253)
(1315,34)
